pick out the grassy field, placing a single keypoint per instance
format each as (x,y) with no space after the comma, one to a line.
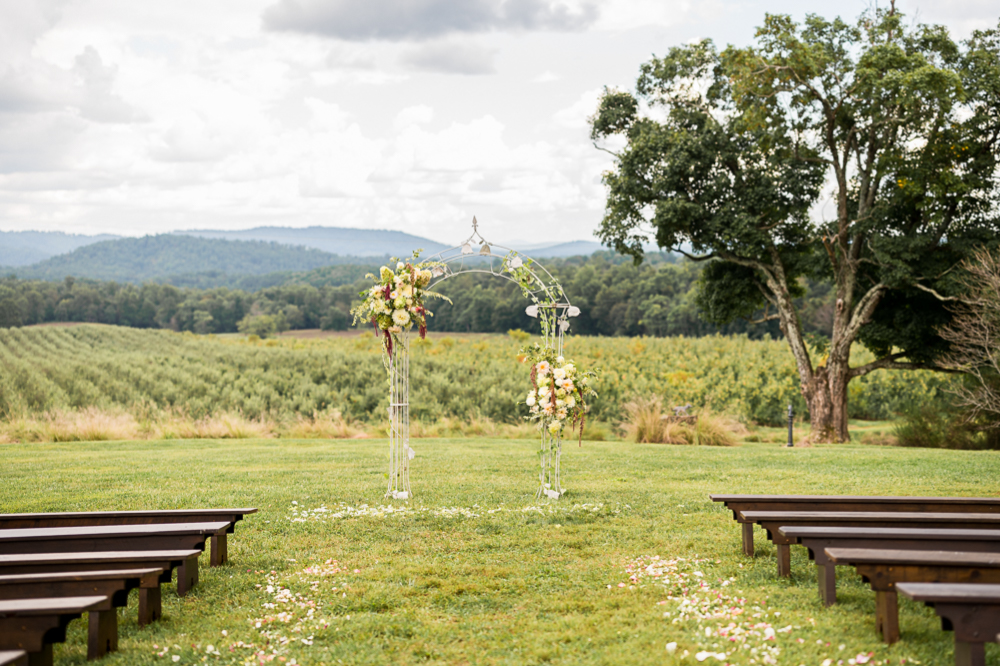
(474,570)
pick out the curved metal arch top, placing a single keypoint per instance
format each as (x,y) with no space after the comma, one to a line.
(498,261)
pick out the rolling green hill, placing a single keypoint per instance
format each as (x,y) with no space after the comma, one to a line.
(156,258)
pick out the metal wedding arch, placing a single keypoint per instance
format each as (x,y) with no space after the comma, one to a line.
(549,305)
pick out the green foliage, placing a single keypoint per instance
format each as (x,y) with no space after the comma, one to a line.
(518,335)
(934,425)
(262,325)
(616,298)
(52,368)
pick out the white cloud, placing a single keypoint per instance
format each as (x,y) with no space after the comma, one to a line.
(545,77)
(420,114)
(451,58)
(576,116)
(423,19)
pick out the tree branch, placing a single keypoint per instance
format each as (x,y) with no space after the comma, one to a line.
(890,363)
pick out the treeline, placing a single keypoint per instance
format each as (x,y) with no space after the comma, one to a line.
(616,298)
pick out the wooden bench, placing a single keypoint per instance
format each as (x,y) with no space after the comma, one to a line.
(13,658)
(33,625)
(883,569)
(219,554)
(972,611)
(180,536)
(820,539)
(771,521)
(185,561)
(114,584)
(827,503)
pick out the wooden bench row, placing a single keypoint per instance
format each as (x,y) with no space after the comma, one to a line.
(57,567)
(949,548)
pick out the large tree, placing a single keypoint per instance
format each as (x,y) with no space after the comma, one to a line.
(864,155)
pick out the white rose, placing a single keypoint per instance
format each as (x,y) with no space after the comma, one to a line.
(559,374)
(571,402)
(399,265)
(530,399)
(560,360)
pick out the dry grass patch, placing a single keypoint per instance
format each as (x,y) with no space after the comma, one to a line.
(326,425)
(647,424)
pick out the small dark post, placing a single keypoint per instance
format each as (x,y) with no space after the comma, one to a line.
(791,415)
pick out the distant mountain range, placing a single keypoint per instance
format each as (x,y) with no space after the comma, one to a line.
(336,240)
(23,248)
(378,242)
(252,258)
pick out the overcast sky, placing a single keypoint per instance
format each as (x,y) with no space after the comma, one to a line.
(133,117)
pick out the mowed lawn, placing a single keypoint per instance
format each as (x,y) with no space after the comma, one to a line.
(477,570)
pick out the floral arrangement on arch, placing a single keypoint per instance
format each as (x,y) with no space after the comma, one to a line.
(395,303)
(559,391)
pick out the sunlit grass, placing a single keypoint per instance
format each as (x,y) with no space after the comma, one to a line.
(510,587)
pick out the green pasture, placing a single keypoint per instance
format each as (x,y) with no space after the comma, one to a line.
(451,582)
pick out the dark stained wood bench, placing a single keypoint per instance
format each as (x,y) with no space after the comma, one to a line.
(180,536)
(771,521)
(972,611)
(219,553)
(33,625)
(185,561)
(102,634)
(883,569)
(819,539)
(13,658)
(739,503)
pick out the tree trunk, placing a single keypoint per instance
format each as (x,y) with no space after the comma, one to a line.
(839,376)
(821,406)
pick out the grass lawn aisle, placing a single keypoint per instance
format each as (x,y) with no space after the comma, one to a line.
(475,570)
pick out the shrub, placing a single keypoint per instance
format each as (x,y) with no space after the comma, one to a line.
(934,425)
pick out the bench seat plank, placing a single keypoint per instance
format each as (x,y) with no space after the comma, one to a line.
(972,611)
(771,521)
(883,569)
(110,537)
(33,625)
(219,554)
(184,561)
(740,503)
(13,658)
(113,584)
(818,539)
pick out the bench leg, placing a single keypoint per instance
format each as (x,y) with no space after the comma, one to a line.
(970,654)
(827,576)
(784,560)
(219,554)
(747,539)
(187,576)
(102,633)
(150,605)
(887,615)
(43,658)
